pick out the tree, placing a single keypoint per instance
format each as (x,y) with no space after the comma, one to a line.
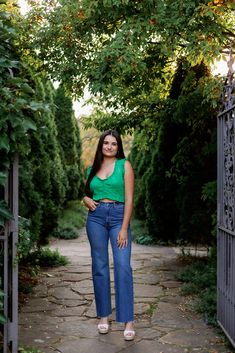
(145,61)
(179,163)
(16,103)
(69,141)
(43,181)
(111,41)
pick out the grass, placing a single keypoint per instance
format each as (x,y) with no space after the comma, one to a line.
(28,350)
(151,309)
(71,221)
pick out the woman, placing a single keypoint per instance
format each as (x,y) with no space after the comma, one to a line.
(109,197)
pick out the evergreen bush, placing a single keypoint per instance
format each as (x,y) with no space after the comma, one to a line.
(176,169)
(50,258)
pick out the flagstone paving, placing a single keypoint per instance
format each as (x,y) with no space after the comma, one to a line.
(60,315)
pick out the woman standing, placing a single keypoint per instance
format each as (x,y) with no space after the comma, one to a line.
(109,197)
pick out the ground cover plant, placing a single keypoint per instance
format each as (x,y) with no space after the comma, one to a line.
(199,281)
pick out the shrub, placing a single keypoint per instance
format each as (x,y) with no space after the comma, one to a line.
(200,281)
(46,257)
(140,233)
(66,232)
(26,243)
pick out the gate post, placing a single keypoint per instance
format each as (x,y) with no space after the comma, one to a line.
(10,265)
(226,209)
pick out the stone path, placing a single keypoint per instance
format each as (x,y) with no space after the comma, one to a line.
(60,315)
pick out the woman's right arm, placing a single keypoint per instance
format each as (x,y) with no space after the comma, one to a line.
(90,203)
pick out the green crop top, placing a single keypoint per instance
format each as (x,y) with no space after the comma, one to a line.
(112,187)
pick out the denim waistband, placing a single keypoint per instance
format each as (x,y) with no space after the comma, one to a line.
(110,203)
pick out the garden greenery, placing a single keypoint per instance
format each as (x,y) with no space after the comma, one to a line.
(147,65)
(38,124)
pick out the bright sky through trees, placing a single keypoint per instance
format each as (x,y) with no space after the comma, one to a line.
(24,8)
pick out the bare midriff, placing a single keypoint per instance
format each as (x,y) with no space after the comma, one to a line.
(107,200)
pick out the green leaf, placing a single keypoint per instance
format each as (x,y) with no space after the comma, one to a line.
(5,164)
(4,211)
(14,120)
(4,143)
(29,125)
(26,88)
(35,106)
(8,63)
(3,177)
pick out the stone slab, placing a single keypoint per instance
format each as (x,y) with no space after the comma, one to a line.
(68,302)
(146,300)
(38,305)
(115,338)
(64,293)
(91,310)
(147,291)
(64,312)
(75,277)
(169,314)
(141,308)
(173,298)
(78,268)
(86,346)
(196,338)
(83,287)
(170,284)
(37,337)
(152,346)
(146,278)
(77,328)
(148,333)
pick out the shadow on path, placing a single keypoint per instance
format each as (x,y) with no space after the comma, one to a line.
(60,315)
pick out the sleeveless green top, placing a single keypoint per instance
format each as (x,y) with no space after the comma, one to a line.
(112,187)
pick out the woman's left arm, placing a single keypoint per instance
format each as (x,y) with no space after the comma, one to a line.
(129,196)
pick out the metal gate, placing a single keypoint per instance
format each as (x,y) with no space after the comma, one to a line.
(226,209)
(9,267)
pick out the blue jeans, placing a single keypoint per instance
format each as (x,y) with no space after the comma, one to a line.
(103,224)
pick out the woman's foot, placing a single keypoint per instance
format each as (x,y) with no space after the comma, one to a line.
(129,333)
(103,326)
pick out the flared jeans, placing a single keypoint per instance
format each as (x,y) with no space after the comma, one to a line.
(103,225)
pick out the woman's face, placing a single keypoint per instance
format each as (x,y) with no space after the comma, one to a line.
(110,146)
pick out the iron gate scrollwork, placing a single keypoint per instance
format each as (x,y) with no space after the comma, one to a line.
(8,265)
(226,209)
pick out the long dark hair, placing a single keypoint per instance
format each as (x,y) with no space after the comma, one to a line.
(99,157)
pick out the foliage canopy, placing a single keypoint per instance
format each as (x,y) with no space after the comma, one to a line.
(109,44)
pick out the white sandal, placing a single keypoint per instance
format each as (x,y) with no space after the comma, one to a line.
(129,335)
(103,328)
